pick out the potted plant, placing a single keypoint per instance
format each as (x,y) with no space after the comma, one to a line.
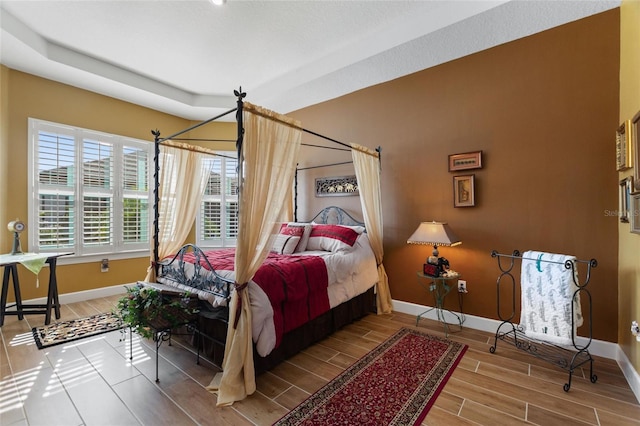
(147,309)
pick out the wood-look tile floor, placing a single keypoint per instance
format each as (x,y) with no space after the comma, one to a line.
(93,381)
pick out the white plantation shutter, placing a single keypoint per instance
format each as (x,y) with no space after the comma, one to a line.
(135,199)
(55,205)
(97,193)
(91,190)
(217,223)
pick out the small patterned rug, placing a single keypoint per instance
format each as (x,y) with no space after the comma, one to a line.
(68,331)
(394,384)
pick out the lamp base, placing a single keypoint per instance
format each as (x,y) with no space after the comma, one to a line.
(16,249)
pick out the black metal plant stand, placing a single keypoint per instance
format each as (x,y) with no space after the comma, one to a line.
(566,358)
(164,335)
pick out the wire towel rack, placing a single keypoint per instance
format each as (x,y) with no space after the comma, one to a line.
(568,359)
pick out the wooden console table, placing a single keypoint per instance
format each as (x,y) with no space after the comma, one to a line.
(10,263)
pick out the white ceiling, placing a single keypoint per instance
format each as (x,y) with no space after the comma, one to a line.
(185,57)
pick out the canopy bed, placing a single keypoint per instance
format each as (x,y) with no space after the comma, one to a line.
(265,317)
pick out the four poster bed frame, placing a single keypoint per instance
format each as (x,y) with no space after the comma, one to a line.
(212,324)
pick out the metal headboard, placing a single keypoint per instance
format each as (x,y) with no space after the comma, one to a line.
(335,216)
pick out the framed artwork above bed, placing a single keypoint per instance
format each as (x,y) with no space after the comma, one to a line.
(337,186)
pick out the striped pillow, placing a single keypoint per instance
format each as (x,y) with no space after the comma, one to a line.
(285,244)
(298,228)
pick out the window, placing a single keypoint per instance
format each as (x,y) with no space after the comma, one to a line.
(217,222)
(91,191)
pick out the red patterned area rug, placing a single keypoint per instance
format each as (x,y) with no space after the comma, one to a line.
(394,384)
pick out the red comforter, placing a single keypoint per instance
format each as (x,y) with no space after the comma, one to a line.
(296,286)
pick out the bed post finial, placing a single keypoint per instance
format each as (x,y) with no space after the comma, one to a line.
(239,93)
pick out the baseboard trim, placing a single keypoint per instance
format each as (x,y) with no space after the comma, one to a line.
(81,296)
(598,347)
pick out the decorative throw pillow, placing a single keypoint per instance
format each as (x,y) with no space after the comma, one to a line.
(331,238)
(296,231)
(305,228)
(285,244)
(358,228)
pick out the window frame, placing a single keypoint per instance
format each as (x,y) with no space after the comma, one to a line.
(117,248)
(223,241)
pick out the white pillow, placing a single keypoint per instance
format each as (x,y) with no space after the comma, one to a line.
(285,244)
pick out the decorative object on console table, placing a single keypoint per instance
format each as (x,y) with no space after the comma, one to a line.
(623,146)
(336,186)
(435,234)
(465,161)
(16,226)
(635,142)
(464,191)
(626,188)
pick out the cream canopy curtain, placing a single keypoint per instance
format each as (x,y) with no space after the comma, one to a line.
(268,158)
(367,166)
(183,177)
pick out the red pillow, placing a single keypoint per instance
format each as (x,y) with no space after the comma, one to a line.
(295,231)
(332,238)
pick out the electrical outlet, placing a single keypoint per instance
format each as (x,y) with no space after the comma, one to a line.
(104,265)
(462,286)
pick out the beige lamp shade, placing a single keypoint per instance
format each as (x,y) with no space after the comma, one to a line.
(434,234)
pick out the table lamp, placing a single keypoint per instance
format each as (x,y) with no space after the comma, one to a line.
(435,234)
(16,227)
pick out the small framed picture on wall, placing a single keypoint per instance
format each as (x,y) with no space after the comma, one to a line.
(623,146)
(635,144)
(464,191)
(626,188)
(634,212)
(465,161)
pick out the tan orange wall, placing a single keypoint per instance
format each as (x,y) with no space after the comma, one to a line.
(4,153)
(29,96)
(629,244)
(543,110)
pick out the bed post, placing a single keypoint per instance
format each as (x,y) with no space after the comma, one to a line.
(156,199)
(295,196)
(240,104)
